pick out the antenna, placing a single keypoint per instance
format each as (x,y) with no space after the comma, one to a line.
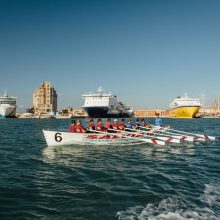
(100,90)
(185,95)
(5,94)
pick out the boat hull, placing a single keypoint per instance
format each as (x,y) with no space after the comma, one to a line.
(103,112)
(54,138)
(184,112)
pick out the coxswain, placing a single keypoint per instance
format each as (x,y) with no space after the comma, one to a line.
(122,125)
(158,120)
(91,125)
(99,126)
(72,127)
(108,124)
(115,125)
(79,127)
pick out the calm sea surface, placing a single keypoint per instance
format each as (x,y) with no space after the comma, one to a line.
(107,182)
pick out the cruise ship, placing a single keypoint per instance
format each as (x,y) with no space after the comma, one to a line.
(184,107)
(105,105)
(7,106)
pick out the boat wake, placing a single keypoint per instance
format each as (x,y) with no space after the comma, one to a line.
(211,195)
(174,208)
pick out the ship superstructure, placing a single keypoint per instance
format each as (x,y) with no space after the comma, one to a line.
(184,107)
(105,105)
(7,106)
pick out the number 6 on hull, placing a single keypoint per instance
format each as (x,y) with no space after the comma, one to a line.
(58,137)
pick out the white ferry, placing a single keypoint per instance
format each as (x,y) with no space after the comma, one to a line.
(7,106)
(184,107)
(105,105)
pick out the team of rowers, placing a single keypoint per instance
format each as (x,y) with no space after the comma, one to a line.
(76,126)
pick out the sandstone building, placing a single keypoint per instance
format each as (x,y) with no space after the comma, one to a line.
(45,99)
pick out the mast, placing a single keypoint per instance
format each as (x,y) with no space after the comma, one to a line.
(100,91)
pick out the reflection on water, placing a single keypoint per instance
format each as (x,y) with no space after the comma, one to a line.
(64,154)
(54,152)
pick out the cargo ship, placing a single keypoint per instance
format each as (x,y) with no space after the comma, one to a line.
(105,105)
(7,106)
(184,107)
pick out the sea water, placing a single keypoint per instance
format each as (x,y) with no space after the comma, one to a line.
(138,181)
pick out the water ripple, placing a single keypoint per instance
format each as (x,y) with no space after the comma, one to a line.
(107,182)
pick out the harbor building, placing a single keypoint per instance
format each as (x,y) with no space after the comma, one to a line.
(45,99)
(151,113)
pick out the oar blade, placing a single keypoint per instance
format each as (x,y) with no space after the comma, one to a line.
(169,139)
(212,138)
(199,139)
(153,141)
(184,138)
(173,140)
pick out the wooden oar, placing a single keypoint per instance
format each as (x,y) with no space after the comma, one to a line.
(148,140)
(179,133)
(185,135)
(155,135)
(197,135)
(160,130)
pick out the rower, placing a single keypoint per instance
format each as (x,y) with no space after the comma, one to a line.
(129,125)
(79,128)
(158,121)
(99,126)
(91,125)
(137,123)
(115,125)
(108,124)
(122,125)
(72,126)
(143,123)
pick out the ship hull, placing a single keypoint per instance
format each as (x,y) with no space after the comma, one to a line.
(102,112)
(7,111)
(184,112)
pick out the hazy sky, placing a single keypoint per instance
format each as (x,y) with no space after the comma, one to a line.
(145,52)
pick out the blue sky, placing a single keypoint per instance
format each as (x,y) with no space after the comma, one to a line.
(145,52)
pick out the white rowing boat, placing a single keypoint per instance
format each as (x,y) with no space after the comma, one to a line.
(156,136)
(55,138)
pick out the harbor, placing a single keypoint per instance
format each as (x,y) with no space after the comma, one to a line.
(109,110)
(57,160)
(102,105)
